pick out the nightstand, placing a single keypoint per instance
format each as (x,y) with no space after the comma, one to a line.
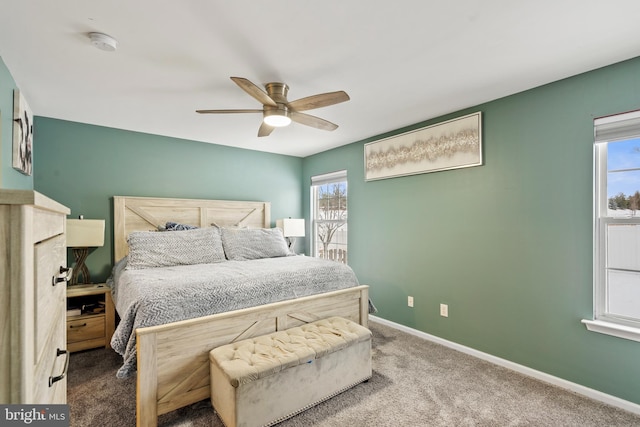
(90,316)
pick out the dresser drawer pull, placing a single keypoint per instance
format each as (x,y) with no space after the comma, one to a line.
(61,278)
(78,326)
(53,380)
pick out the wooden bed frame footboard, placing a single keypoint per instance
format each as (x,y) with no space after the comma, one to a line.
(173,359)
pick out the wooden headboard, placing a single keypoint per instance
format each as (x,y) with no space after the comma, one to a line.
(147,213)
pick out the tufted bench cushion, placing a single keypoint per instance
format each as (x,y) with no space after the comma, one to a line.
(264,380)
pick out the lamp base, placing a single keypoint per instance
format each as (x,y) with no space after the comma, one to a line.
(291,241)
(80,255)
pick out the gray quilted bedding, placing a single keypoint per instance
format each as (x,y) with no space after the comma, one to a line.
(157,296)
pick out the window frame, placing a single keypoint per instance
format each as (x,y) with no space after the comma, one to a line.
(607,130)
(316,182)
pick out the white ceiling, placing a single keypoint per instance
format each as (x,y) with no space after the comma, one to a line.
(401,62)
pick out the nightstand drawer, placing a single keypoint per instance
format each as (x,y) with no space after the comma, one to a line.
(85,328)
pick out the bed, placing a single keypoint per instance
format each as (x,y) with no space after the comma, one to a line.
(172,358)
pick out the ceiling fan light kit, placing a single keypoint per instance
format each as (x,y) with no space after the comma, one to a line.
(277,111)
(277,117)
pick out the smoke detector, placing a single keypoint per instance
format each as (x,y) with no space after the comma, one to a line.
(103,41)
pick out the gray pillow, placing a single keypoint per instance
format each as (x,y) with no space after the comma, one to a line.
(253,243)
(149,249)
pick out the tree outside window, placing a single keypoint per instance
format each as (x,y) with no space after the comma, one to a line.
(330,220)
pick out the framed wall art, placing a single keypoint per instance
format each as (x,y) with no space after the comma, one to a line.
(453,144)
(22,134)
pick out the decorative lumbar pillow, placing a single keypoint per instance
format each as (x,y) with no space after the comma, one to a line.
(176,226)
(253,243)
(149,249)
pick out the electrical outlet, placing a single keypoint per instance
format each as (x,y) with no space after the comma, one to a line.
(444,310)
(410,301)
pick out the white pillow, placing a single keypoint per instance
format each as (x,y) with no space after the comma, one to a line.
(149,249)
(253,243)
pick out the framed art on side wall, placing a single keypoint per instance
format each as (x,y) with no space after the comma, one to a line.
(22,134)
(453,144)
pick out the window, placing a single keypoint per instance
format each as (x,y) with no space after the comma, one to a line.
(329,216)
(617,226)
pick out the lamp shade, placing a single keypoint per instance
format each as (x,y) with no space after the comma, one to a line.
(85,233)
(291,227)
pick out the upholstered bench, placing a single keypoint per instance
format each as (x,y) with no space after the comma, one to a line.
(264,380)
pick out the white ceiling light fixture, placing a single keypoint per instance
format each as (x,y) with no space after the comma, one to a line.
(277,118)
(103,42)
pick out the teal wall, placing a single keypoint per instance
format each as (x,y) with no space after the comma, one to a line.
(83,166)
(9,177)
(507,245)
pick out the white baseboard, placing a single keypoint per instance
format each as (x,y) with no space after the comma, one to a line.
(559,382)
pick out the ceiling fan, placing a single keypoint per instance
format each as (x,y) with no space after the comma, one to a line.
(278,112)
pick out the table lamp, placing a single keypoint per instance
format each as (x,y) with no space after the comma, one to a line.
(291,228)
(83,234)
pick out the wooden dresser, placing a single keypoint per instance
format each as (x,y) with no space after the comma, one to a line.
(33,282)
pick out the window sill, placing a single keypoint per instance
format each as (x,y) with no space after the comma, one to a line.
(620,331)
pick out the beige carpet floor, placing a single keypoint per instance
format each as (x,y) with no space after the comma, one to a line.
(415,383)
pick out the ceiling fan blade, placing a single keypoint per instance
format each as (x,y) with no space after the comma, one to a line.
(317,101)
(313,121)
(254,91)
(227,111)
(265,130)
